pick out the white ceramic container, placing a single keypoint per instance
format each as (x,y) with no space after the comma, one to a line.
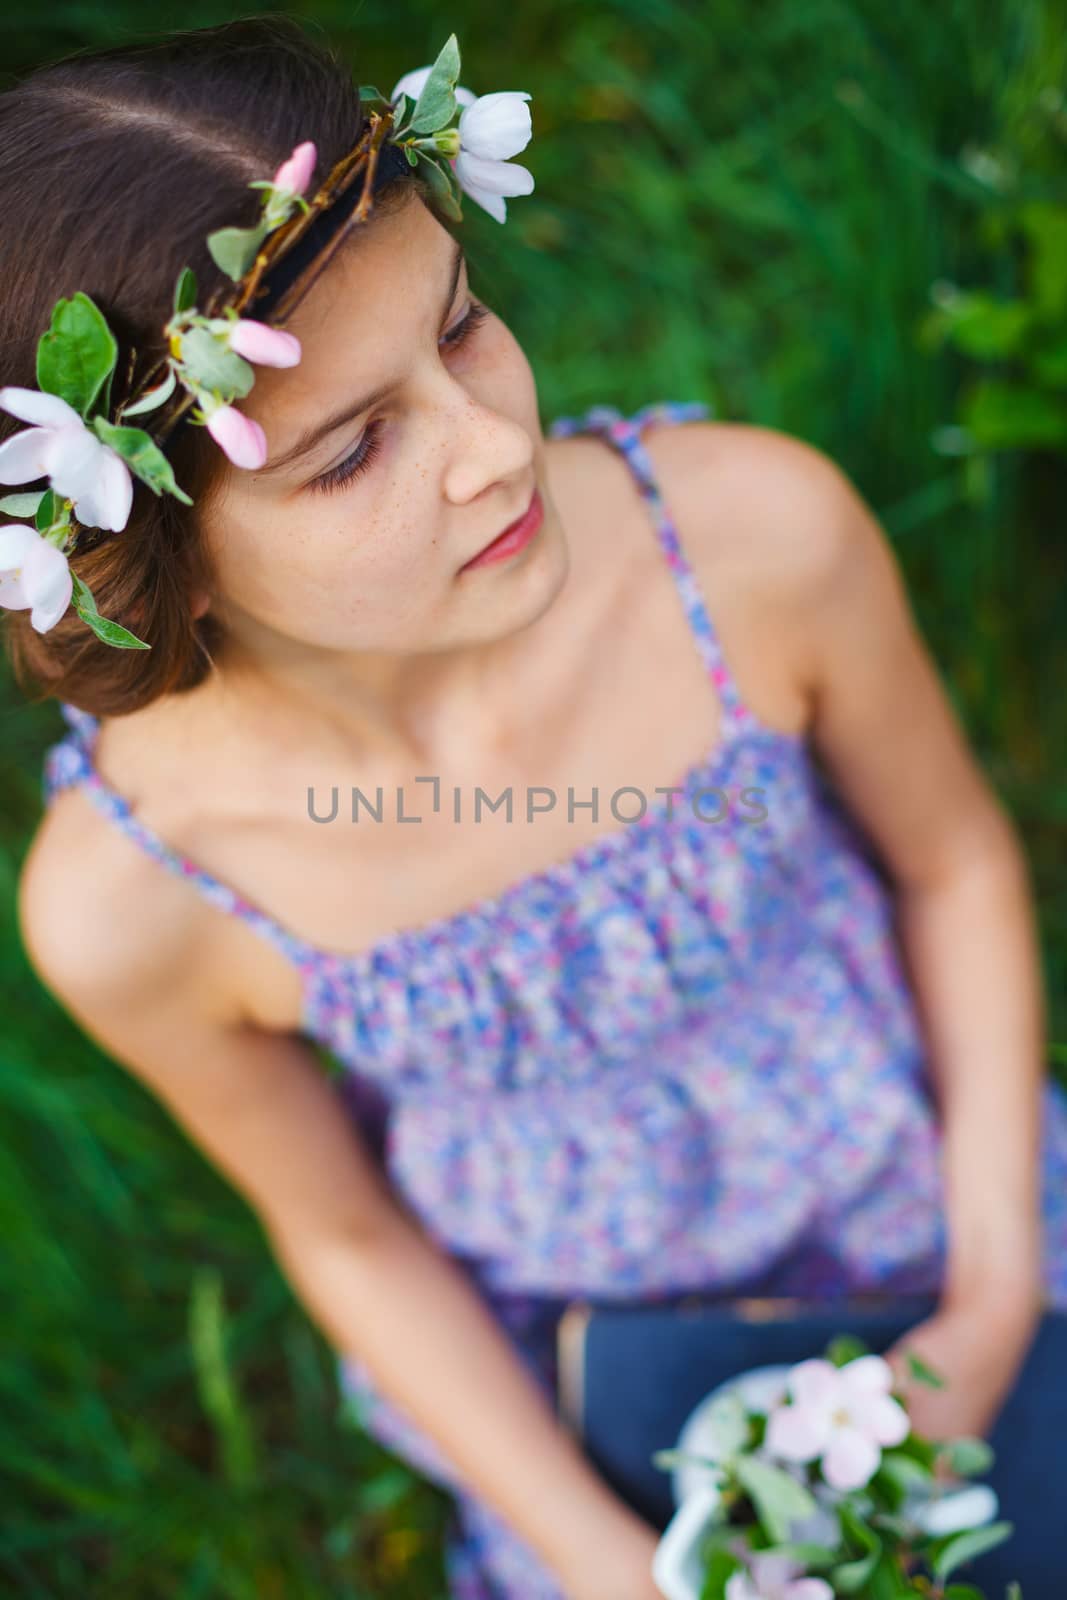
(678,1567)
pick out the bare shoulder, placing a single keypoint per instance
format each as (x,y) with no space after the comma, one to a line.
(758,498)
(105,928)
(778,533)
(127,951)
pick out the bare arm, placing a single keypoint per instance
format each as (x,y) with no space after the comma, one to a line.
(901,759)
(258,1105)
(897,753)
(827,579)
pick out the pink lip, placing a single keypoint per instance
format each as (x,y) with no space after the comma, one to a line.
(514,538)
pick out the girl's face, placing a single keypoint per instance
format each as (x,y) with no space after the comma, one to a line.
(404,441)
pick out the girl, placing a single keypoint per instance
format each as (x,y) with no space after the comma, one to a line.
(633,1033)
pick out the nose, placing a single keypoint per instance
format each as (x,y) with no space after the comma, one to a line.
(487,448)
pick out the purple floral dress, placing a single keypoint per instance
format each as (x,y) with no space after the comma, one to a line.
(684,1058)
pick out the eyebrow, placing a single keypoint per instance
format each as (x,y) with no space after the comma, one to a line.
(350,410)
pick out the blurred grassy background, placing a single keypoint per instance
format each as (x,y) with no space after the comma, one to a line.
(842,218)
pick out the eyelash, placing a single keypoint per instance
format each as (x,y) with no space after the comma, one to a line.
(369,445)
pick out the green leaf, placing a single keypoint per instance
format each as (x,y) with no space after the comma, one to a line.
(218,1391)
(967,1457)
(886,1522)
(45,514)
(965,1546)
(234,249)
(855,1530)
(717,1536)
(923,1373)
(437,104)
(1044,223)
(1049,364)
(809,1555)
(904,1470)
(846,1347)
(23,505)
(212,366)
(779,1499)
(367,91)
(111,632)
(441,186)
(916,1448)
(155,397)
(987,328)
(143,457)
(76,357)
(1008,416)
(185,291)
(853,1575)
(666,1459)
(963,1591)
(886,1583)
(720,1569)
(385,1491)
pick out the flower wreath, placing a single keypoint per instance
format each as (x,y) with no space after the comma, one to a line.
(91,454)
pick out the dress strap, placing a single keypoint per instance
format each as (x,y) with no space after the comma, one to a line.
(70,761)
(625,434)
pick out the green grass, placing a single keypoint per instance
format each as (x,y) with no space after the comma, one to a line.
(742,205)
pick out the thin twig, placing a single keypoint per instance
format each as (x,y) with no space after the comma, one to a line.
(363,157)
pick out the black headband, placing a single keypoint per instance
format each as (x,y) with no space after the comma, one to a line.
(392,164)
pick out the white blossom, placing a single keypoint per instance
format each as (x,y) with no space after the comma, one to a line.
(33,573)
(78,465)
(841,1415)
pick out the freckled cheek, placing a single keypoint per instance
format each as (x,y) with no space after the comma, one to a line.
(386,548)
(388,559)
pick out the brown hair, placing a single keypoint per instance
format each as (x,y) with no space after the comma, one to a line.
(115,165)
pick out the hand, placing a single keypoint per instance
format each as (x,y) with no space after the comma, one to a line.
(978,1346)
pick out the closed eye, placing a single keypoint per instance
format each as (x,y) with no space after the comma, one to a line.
(369,444)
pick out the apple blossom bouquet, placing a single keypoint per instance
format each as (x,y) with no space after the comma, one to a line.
(818,1487)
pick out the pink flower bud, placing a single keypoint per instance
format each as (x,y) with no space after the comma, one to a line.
(295,174)
(270,347)
(241,439)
